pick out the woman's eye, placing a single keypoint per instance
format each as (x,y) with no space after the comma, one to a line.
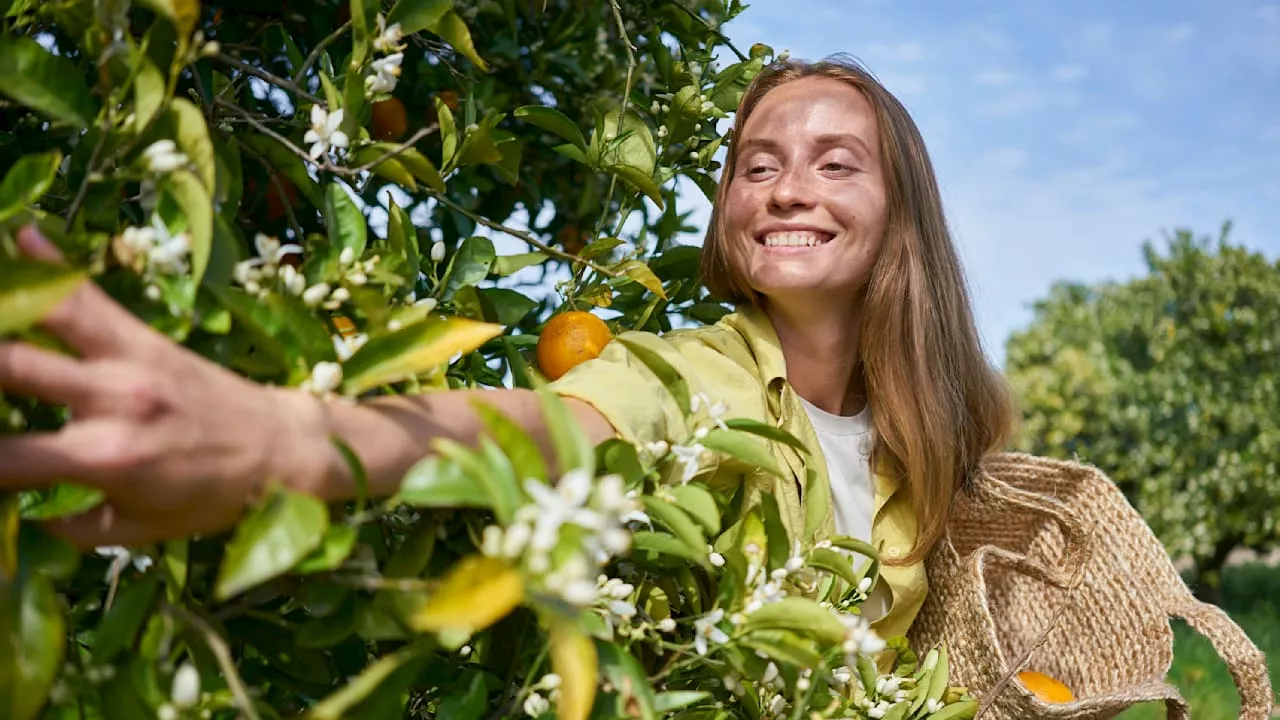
(835,167)
(757,170)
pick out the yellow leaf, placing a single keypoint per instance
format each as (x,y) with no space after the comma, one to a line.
(573,658)
(475,593)
(414,350)
(641,273)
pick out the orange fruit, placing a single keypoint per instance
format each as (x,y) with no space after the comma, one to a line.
(1046,688)
(390,120)
(570,339)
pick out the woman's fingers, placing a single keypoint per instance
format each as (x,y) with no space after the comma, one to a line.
(57,379)
(90,320)
(90,452)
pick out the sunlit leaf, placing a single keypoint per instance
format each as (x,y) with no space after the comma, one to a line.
(334,548)
(343,220)
(455,32)
(375,678)
(471,263)
(413,350)
(29,290)
(39,79)
(799,615)
(742,446)
(194,200)
(26,181)
(192,136)
(122,622)
(640,272)
(435,482)
(273,538)
(510,264)
(475,593)
(700,505)
(33,629)
(554,121)
(417,15)
(513,440)
(573,658)
(573,447)
(666,374)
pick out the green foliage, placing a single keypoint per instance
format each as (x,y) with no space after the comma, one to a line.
(227,173)
(1169,383)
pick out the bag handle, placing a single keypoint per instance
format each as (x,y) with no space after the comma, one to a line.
(1247,664)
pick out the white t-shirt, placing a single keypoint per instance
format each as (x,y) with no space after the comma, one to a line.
(847,442)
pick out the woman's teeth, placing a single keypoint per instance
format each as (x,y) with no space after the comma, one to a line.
(793,239)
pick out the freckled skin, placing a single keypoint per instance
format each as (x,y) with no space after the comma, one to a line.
(810,158)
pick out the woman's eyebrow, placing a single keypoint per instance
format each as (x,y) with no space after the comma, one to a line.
(844,140)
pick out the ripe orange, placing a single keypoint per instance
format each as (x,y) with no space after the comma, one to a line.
(1046,688)
(390,121)
(569,339)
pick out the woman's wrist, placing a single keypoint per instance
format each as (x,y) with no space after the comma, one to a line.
(304,457)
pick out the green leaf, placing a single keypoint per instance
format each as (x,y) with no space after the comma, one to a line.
(61,500)
(39,79)
(374,679)
(622,670)
(389,168)
(475,593)
(192,136)
(182,13)
(435,482)
(470,264)
(765,430)
(413,350)
(417,15)
(861,547)
(784,646)
(325,632)
(421,168)
(27,181)
(671,700)
(573,448)
(402,236)
(471,704)
(554,121)
(801,616)
(491,473)
(675,520)
(150,90)
(670,378)
(640,273)
(271,540)
(508,306)
(414,554)
(29,290)
(640,181)
(742,446)
(196,205)
(775,531)
(700,505)
(963,710)
(817,502)
(455,32)
(334,549)
(343,220)
(289,165)
(505,265)
(646,545)
(448,135)
(41,552)
(123,621)
(518,446)
(833,562)
(34,633)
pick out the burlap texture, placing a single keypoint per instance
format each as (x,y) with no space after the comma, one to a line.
(1047,567)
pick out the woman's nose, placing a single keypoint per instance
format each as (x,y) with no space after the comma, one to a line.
(791,189)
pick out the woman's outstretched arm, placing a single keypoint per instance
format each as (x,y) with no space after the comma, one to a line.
(180,445)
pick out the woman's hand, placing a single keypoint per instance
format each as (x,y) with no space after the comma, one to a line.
(178,444)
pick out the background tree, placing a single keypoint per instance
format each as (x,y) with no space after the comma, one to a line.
(1170,383)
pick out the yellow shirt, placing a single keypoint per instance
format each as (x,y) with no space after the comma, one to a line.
(739,362)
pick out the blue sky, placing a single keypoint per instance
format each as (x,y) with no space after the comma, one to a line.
(1064,135)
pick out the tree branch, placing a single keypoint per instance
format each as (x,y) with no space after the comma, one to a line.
(261,74)
(423,132)
(319,48)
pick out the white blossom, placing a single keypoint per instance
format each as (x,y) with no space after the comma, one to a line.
(437,251)
(325,132)
(389,37)
(167,712)
(386,73)
(186,686)
(667,625)
(716,559)
(120,557)
(325,378)
(705,630)
(315,294)
(550,681)
(162,157)
(622,609)
(688,456)
(427,304)
(932,706)
(344,346)
(535,705)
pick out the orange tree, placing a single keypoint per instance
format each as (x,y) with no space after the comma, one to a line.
(307,193)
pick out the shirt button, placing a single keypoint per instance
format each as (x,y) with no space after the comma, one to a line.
(894,552)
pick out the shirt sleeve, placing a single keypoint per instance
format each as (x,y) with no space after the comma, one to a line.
(623,389)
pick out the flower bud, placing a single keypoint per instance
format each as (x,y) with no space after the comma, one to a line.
(437,251)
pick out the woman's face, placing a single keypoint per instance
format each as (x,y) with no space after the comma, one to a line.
(806,204)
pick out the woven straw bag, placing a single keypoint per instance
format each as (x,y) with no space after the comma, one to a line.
(1045,566)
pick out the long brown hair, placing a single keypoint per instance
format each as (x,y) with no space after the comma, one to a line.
(938,405)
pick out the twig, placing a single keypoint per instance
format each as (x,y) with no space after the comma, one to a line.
(393,151)
(260,127)
(90,171)
(319,48)
(719,35)
(521,235)
(223,655)
(626,99)
(261,74)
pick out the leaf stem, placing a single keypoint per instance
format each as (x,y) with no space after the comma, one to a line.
(319,48)
(261,74)
(222,654)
